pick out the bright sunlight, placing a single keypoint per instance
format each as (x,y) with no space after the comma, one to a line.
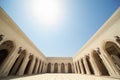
(47,12)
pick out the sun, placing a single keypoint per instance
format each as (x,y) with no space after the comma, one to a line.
(46,12)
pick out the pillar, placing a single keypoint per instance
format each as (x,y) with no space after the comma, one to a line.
(23,65)
(37,65)
(113,71)
(52,67)
(66,68)
(59,68)
(78,67)
(81,67)
(95,66)
(86,65)
(74,67)
(32,66)
(8,63)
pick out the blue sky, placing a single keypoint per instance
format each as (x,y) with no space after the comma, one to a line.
(61,31)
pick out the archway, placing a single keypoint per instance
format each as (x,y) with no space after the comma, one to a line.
(17,64)
(83,66)
(69,68)
(62,68)
(114,51)
(36,61)
(28,64)
(3,54)
(49,68)
(100,63)
(55,68)
(89,65)
(5,48)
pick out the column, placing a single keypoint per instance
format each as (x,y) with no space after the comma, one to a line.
(37,65)
(23,65)
(78,67)
(32,66)
(66,68)
(52,67)
(113,71)
(95,66)
(40,67)
(8,63)
(81,67)
(74,67)
(86,65)
(59,68)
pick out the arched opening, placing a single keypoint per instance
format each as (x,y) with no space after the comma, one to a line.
(62,68)
(55,68)
(79,66)
(17,64)
(35,65)
(49,68)
(100,63)
(83,66)
(5,48)
(89,65)
(3,55)
(69,68)
(28,64)
(114,51)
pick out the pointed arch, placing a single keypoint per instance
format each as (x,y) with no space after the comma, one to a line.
(62,68)
(55,68)
(113,51)
(6,48)
(17,64)
(99,63)
(69,68)
(49,68)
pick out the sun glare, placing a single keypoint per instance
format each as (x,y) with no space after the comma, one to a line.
(47,12)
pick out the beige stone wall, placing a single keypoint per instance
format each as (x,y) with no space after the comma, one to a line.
(59,61)
(105,34)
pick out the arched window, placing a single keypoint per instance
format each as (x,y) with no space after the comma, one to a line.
(55,68)
(49,68)
(5,48)
(62,68)
(114,51)
(69,68)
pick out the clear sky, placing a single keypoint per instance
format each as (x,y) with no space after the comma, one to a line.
(59,27)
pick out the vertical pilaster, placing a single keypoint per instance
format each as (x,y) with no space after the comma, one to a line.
(32,66)
(86,65)
(23,66)
(81,67)
(8,63)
